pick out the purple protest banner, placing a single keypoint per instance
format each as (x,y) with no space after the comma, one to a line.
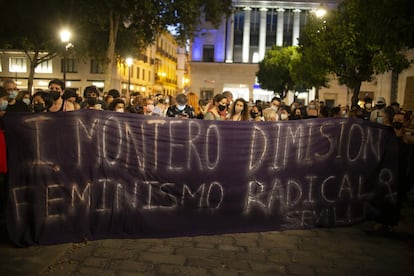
(99,174)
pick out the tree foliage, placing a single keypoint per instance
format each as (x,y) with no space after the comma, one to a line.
(275,70)
(311,69)
(362,38)
(33,27)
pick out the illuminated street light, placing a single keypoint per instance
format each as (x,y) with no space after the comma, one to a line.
(320,12)
(65,38)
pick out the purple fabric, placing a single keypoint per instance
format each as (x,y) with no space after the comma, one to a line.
(100,174)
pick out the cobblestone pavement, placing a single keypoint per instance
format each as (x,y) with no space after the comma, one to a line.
(333,251)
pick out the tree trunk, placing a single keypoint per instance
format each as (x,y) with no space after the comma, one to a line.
(355,94)
(317,92)
(110,52)
(33,65)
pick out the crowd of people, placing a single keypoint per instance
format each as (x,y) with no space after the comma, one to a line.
(221,107)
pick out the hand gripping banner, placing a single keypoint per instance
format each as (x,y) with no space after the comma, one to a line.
(100,174)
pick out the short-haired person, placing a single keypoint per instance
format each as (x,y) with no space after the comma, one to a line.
(69,98)
(13,104)
(41,101)
(378,114)
(56,85)
(117,105)
(181,109)
(4,101)
(56,88)
(91,99)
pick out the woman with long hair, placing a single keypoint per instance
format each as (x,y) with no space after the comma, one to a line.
(218,105)
(192,100)
(239,110)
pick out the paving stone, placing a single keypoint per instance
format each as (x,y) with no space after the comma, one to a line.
(282,258)
(125,273)
(108,252)
(327,271)
(161,249)
(204,262)
(306,259)
(113,244)
(250,256)
(195,252)
(165,269)
(163,258)
(95,262)
(247,242)
(300,269)
(301,233)
(133,266)
(281,244)
(227,272)
(267,267)
(225,255)
(345,251)
(94,271)
(205,245)
(243,265)
(228,247)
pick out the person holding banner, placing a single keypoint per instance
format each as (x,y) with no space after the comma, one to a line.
(181,109)
(390,217)
(239,111)
(219,104)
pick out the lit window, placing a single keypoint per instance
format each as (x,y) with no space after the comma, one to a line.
(18,64)
(44,67)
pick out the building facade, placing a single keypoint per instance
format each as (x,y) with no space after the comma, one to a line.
(226,58)
(160,68)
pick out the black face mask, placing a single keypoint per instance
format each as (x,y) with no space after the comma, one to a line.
(254,114)
(55,95)
(397,125)
(39,107)
(91,101)
(221,107)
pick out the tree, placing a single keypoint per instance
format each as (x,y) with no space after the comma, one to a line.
(130,25)
(311,69)
(106,29)
(275,70)
(33,26)
(363,38)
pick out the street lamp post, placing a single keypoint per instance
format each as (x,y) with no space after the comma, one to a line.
(129,63)
(65,38)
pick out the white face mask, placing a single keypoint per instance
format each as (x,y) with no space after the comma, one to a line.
(26,101)
(119,110)
(150,107)
(3,105)
(284,116)
(238,109)
(13,94)
(180,107)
